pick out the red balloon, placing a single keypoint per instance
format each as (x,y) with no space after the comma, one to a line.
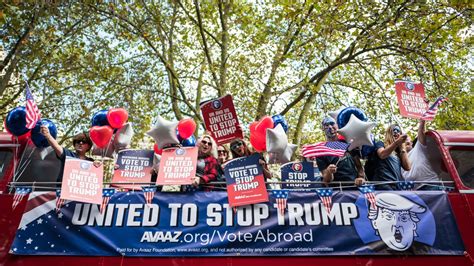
(258,133)
(101,135)
(157,150)
(117,117)
(258,141)
(264,123)
(186,128)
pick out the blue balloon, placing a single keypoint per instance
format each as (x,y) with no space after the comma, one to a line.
(100,118)
(279,119)
(189,142)
(16,121)
(344,116)
(38,139)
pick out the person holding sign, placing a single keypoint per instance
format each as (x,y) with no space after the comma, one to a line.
(390,157)
(207,165)
(334,168)
(239,149)
(82,144)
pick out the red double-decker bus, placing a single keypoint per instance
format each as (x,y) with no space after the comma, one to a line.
(451,154)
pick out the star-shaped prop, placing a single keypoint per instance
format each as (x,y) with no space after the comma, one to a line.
(357,132)
(334,114)
(123,137)
(276,139)
(285,156)
(164,132)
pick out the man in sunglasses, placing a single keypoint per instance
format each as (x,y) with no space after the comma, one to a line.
(333,168)
(82,144)
(239,148)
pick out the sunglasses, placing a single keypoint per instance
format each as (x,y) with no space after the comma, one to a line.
(235,146)
(329,124)
(396,130)
(222,151)
(206,142)
(79,142)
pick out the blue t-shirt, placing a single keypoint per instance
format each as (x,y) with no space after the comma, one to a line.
(62,158)
(388,169)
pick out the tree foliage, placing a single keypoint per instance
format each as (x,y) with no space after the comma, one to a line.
(299,59)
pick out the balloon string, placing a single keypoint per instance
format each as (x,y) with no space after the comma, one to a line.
(107,148)
(23,164)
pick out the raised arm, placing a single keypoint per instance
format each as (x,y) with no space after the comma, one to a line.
(54,144)
(384,152)
(421,132)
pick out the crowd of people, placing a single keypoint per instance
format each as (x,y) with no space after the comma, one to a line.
(389,161)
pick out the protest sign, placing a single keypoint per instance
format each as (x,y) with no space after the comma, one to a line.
(411,98)
(133,166)
(245,181)
(177,166)
(82,181)
(221,119)
(298,175)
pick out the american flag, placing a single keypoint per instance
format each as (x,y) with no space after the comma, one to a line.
(32,111)
(406,185)
(368,191)
(431,112)
(149,193)
(106,195)
(325,194)
(329,148)
(59,201)
(20,192)
(281,197)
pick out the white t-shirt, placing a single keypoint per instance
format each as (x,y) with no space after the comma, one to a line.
(421,169)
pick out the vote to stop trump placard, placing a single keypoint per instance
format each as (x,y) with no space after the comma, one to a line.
(245,181)
(133,166)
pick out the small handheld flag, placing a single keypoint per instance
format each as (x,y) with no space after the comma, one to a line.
(281,197)
(325,194)
(433,110)
(329,148)
(20,192)
(406,185)
(368,191)
(149,193)
(106,195)
(32,111)
(59,201)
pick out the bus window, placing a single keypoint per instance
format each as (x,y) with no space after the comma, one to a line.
(6,156)
(463,158)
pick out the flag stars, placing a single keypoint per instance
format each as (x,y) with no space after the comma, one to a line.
(52,245)
(36,248)
(40,221)
(23,227)
(67,227)
(41,233)
(60,215)
(29,241)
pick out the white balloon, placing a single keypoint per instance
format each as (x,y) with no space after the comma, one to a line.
(357,132)
(334,114)
(283,157)
(156,162)
(123,137)
(276,139)
(43,152)
(164,132)
(108,152)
